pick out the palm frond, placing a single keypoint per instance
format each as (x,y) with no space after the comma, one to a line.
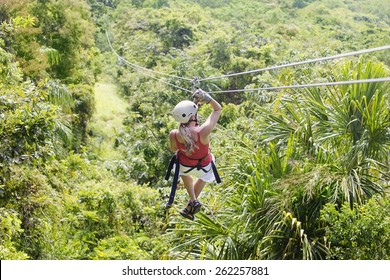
(60,95)
(63,131)
(53,55)
(287,240)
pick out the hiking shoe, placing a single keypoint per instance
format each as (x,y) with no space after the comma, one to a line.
(187,214)
(195,206)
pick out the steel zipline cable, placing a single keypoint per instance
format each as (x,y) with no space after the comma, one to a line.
(158,79)
(140,68)
(143,68)
(298,63)
(362,81)
(137,67)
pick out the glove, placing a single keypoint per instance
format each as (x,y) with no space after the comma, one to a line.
(200,96)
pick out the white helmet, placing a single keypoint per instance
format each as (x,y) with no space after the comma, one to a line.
(184,110)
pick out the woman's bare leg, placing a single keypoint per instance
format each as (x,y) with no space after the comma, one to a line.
(198,187)
(189,185)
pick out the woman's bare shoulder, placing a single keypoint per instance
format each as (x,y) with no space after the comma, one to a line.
(204,136)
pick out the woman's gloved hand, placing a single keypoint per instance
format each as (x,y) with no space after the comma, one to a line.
(201,96)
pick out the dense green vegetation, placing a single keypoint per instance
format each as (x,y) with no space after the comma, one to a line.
(305,172)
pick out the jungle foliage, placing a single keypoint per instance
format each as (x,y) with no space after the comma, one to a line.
(305,172)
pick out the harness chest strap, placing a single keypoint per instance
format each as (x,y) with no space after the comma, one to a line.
(198,166)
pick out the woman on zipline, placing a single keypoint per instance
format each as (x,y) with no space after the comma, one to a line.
(191,144)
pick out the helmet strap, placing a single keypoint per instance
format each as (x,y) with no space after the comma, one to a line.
(195,120)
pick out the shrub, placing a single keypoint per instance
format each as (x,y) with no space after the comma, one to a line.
(359,233)
(9,230)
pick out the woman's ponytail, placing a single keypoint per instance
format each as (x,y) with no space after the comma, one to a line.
(189,143)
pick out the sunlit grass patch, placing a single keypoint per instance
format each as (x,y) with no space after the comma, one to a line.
(107,121)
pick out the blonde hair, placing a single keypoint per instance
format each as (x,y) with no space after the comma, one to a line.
(189,143)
